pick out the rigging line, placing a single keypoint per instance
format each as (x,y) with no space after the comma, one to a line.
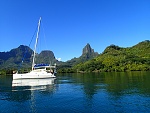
(29,45)
(45,40)
(33,36)
(26,50)
(44,34)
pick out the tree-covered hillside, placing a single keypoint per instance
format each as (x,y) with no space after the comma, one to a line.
(21,57)
(115,58)
(12,59)
(87,54)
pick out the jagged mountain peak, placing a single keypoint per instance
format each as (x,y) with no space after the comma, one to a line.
(87,53)
(87,49)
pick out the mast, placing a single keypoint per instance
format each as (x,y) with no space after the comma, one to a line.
(37,36)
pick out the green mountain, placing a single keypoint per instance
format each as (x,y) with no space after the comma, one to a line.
(13,58)
(115,58)
(47,57)
(21,57)
(87,54)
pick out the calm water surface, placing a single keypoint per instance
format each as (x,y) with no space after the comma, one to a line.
(73,93)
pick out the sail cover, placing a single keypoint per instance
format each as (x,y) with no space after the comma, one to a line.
(41,65)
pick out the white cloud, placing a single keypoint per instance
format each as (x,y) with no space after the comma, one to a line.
(59,59)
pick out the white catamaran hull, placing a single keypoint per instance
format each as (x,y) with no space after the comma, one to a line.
(33,75)
(33,82)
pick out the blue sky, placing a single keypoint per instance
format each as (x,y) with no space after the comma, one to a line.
(68,25)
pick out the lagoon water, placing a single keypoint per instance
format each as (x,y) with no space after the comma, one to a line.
(118,92)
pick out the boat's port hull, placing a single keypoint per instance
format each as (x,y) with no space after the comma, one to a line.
(33,75)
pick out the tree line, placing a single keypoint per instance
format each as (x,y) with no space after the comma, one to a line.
(115,58)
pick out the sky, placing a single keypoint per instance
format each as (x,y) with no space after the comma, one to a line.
(68,25)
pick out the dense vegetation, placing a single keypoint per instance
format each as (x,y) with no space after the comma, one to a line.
(115,58)
(16,57)
(87,54)
(21,58)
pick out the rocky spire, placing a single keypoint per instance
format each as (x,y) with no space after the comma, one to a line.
(87,49)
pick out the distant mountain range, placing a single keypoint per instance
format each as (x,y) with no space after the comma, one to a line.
(22,57)
(113,58)
(87,54)
(14,57)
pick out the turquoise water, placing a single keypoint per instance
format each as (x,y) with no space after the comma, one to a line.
(73,93)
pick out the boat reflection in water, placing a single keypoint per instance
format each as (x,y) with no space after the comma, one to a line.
(24,90)
(34,83)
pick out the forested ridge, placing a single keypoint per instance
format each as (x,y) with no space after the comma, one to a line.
(115,58)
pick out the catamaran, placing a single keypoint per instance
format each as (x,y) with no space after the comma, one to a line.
(38,70)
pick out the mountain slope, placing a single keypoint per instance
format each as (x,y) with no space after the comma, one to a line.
(115,58)
(87,54)
(13,58)
(46,56)
(22,57)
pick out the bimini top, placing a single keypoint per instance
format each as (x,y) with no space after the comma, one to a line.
(41,65)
